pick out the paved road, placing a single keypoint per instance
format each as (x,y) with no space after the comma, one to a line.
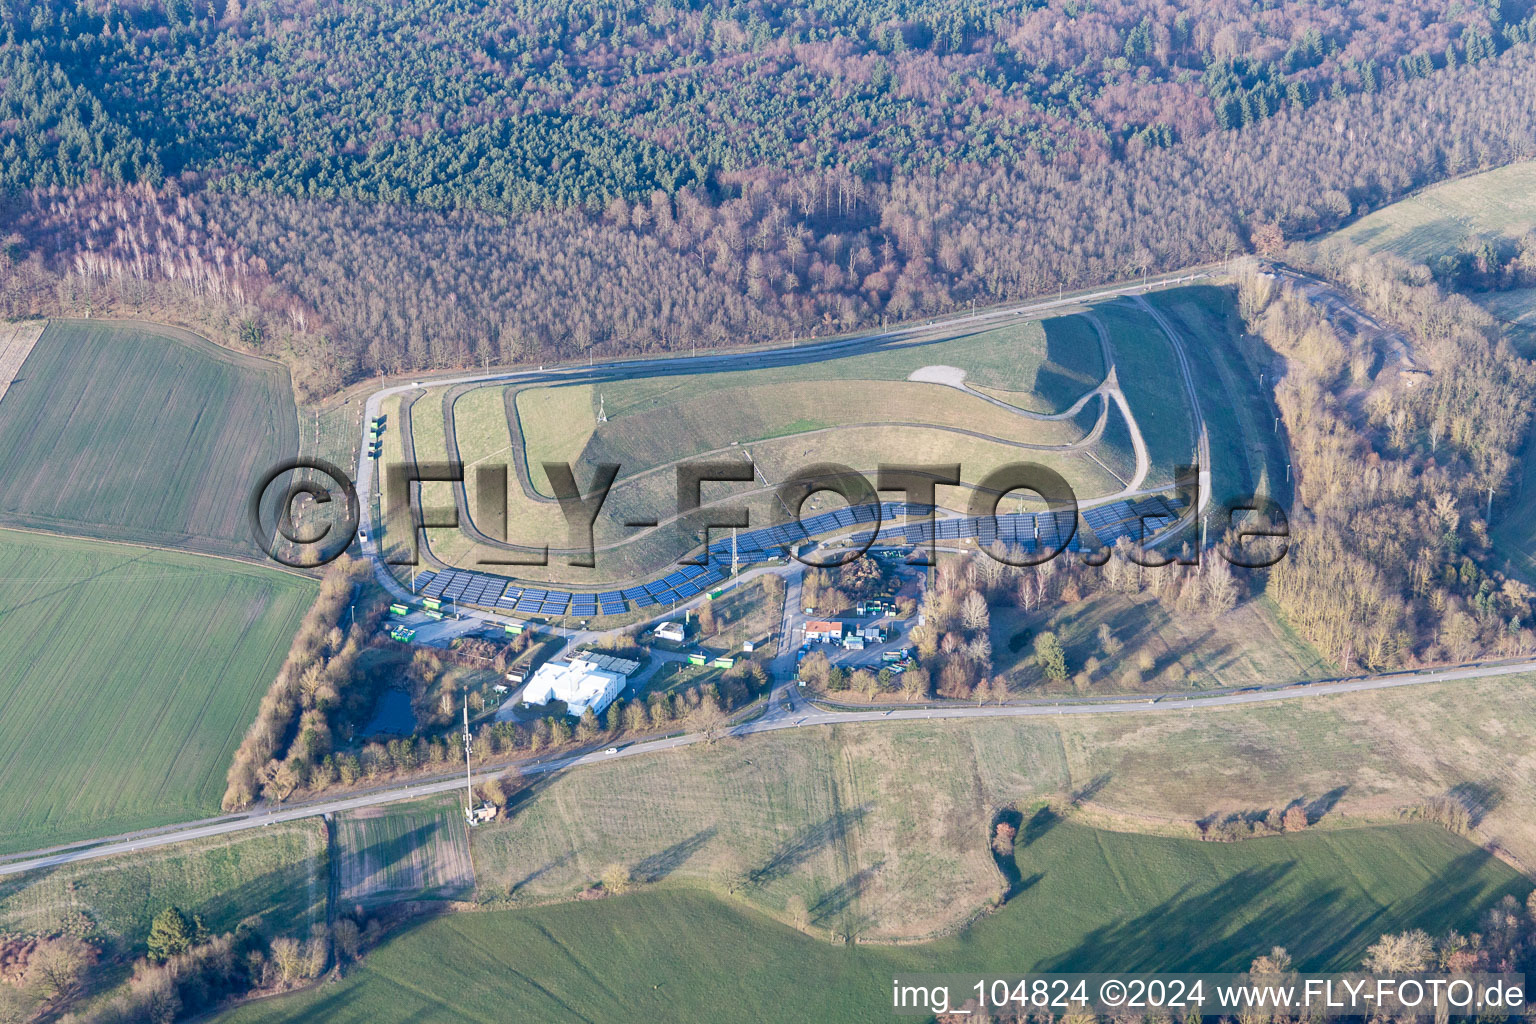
(786,710)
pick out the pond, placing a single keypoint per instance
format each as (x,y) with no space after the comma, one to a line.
(392,715)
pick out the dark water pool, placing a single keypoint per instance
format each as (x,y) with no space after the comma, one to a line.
(392,715)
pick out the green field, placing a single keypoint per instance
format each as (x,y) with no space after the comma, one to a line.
(1442,218)
(139,433)
(1248,646)
(799,813)
(1093,900)
(127,677)
(272,878)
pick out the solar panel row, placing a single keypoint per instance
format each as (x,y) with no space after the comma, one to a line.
(752,547)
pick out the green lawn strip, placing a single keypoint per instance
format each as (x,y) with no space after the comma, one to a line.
(274,878)
(1149,375)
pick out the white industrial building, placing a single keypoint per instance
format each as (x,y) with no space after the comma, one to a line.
(587,680)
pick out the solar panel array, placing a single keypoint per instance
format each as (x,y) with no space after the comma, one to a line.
(1024,530)
(1137,519)
(770,542)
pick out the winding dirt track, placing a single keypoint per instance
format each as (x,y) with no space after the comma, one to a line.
(1108,390)
(906,337)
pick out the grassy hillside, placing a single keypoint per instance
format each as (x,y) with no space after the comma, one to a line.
(1249,455)
(893,810)
(858,410)
(1514,532)
(127,677)
(1149,376)
(274,878)
(1094,901)
(134,432)
(403,851)
(655,420)
(1456,215)
(1443,217)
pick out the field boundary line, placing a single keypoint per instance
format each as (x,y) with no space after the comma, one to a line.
(248,562)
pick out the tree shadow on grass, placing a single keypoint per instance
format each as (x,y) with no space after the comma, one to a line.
(835,905)
(1325,803)
(662,863)
(803,846)
(1478,798)
(1091,789)
(1039,823)
(1322,925)
(538,872)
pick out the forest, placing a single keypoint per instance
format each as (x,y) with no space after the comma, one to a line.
(360,190)
(1392,562)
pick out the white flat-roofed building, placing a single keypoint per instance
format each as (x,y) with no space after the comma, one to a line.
(587,680)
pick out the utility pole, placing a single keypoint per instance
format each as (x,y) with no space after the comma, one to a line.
(469,785)
(735,562)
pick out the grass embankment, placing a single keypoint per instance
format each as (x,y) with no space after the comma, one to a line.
(792,416)
(1248,453)
(1514,531)
(1093,900)
(1148,370)
(150,435)
(127,676)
